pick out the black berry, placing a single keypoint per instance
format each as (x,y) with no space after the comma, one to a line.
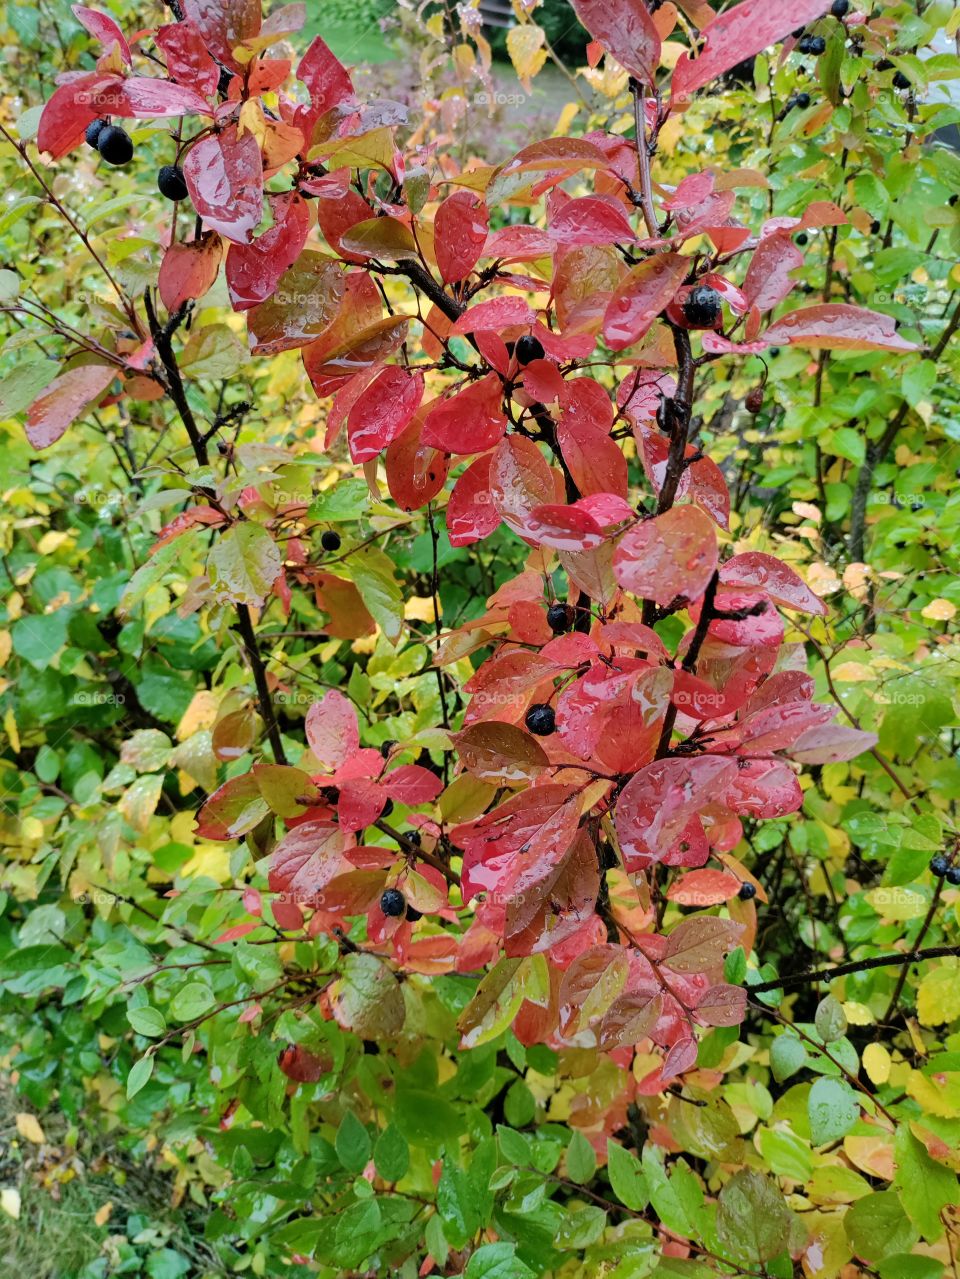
(953,199)
(560,618)
(812,44)
(540,719)
(900,81)
(803,101)
(170,182)
(414,837)
(884,64)
(774,351)
(702,307)
(939,865)
(413,914)
(93,131)
(839,8)
(747,892)
(329,540)
(953,876)
(753,400)
(393,903)
(115,145)
(875,226)
(528,348)
(803,239)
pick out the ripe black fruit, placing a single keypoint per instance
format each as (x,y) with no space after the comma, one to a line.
(413,914)
(839,8)
(528,348)
(953,876)
(414,837)
(170,182)
(329,540)
(115,145)
(93,131)
(874,226)
(540,719)
(812,44)
(393,903)
(803,239)
(753,400)
(939,865)
(900,81)
(803,101)
(560,618)
(747,892)
(702,307)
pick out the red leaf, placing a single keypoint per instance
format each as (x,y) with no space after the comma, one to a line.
(382,411)
(520,480)
(739,33)
(331,728)
(592,219)
(306,859)
(225,24)
(64,400)
(831,744)
(658,802)
(150,98)
(564,528)
(254,270)
(625,29)
(224,175)
(785,587)
(641,297)
(336,216)
(471,421)
(182,523)
(615,717)
(187,57)
(188,271)
(767,281)
(704,888)
(722,1006)
(328,84)
(69,110)
(700,943)
(301,1066)
(763,788)
(551,895)
(103,28)
(415,472)
(495,314)
(460,232)
(232,810)
(360,804)
(835,326)
(471,514)
(592,457)
(412,784)
(672,555)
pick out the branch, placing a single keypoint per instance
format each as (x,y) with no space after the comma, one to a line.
(249,637)
(414,850)
(643,161)
(857,966)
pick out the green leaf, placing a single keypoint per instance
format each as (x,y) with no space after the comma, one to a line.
(497,1261)
(372,573)
(829,1019)
(787,1056)
(192,1001)
(926,1187)
(352,1143)
(348,499)
(147,1021)
(243,565)
(581,1159)
(626,1177)
(139,1075)
(833,1109)
(753,1222)
(391,1154)
(876,1226)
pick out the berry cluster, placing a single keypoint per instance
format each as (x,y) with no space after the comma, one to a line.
(115,146)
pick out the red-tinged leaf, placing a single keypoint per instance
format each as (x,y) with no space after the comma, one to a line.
(835,326)
(328,84)
(717,344)
(63,401)
(365,762)
(254,270)
(615,717)
(564,528)
(768,281)
(626,30)
(551,896)
(763,788)
(382,411)
(303,1066)
(232,810)
(774,728)
(224,175)
(659,800)
(697,699)
(640,298)
(508,675)
(416,473)
(680,1057)
(630,1018)
(831,744)
(288,791)
(592,219)
(340,356)
(305,304)
(151,98)
(188,271)
(500,753)
(692,191)
(460,233)
(609,510)
(495,314)
(103,28)
(332,731)
(754,570)
(388,239)
(542,380)
(225,24)
(671,556)
(520,480)
(360,804)
(412,784)
(722,1006)
(699,944)
(192,518)
(470,421)
(187,57)
(471,514)
(553,160)
(737,33)
(305,861)
(338,215)
(237,932)
(520,243)
(704,888)
(69,110)
(592,457)
(591,984)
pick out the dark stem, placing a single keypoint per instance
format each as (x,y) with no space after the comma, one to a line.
(254,657)
(857,966)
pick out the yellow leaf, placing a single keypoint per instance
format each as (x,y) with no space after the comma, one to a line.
(28,1126)
(857,1014)
(10,727)
(10,1202)
(102,1215)
(52,541)
(898,903)
(938,999)
(807,511)
(6,646)
(525,46)
(852,672)
(876,1062)
(939,611)
(419,608)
